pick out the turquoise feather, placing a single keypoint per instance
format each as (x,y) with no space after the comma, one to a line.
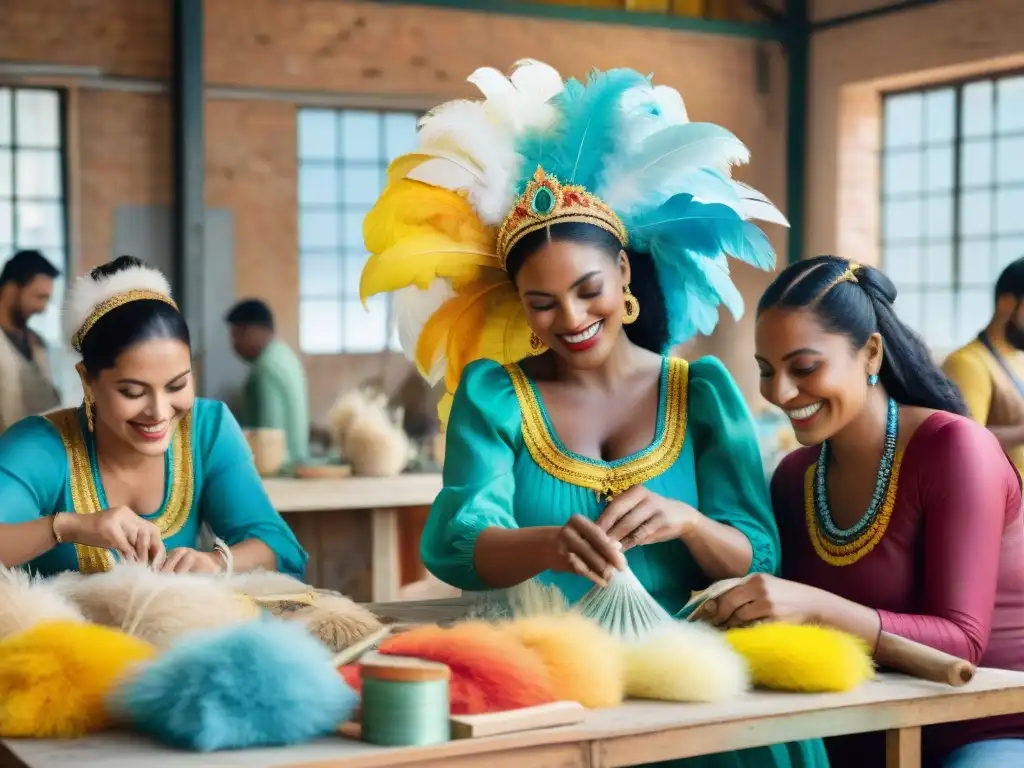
(688,242)
(576,149)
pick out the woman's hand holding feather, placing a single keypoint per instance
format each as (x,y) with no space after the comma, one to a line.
(187,560)
(639,516)
(134,538)
(581,547)
(761,597)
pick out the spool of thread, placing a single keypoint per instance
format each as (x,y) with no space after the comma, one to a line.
(405,701)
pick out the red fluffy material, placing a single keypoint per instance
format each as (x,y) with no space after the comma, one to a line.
(491,670)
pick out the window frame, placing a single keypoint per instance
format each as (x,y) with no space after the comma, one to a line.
(337,161)
(958,241)
(63,200)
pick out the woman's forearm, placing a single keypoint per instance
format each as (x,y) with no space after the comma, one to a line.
(504,557)
(840,613)
(23,542)
(252,554)
(721,551)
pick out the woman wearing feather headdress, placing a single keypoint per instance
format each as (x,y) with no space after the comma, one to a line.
(547,247)
(133,473)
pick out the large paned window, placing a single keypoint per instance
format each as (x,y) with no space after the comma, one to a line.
(952,201)
(343,159)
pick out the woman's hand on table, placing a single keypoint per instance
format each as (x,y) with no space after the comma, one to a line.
(761,597)
(134,538)
(581,547)
(187,560)
(639,516)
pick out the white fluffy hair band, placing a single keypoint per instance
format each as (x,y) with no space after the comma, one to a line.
(91,297)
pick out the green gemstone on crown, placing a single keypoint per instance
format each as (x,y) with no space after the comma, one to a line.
(543,201)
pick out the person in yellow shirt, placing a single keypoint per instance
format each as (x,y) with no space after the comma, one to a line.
(990,369)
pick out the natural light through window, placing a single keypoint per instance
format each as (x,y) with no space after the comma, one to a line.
(32,184)
(952,202)
(343,160)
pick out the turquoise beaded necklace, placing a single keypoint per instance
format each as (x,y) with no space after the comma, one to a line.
(833,533)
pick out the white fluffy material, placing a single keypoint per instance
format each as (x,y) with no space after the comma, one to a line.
(25,601)
(87,293)
(157,607)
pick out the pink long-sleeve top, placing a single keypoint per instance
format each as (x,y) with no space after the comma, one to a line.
(949,571)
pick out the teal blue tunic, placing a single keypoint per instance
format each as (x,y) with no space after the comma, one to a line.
(48,465)
(506,467)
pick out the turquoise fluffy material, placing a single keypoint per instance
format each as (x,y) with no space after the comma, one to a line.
(575,150)
(688,242)
(260,684)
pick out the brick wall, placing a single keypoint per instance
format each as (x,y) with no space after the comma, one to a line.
(271,49)
(852,65)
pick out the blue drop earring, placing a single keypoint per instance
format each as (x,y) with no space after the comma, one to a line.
(872,379)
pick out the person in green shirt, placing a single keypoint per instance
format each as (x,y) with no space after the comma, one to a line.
(276,395)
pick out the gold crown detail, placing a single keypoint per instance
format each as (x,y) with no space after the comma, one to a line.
(547,201)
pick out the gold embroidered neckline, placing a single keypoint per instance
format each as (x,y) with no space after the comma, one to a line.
(607,478)
(85,494)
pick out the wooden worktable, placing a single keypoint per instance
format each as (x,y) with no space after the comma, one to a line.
(353,553)
(636,733)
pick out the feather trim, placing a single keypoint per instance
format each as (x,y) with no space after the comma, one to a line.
(87,292)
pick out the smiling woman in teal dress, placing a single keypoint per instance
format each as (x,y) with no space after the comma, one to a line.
(135,471)
(547,280)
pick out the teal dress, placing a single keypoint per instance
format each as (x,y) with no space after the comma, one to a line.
(505,466)
(48,465)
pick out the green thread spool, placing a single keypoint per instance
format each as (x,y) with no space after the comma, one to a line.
(404,702)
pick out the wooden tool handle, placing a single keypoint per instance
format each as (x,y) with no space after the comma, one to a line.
(921,661)
(526,719)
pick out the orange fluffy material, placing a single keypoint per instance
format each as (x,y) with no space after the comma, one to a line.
(802,658)
(54,677)
(492,671)
(584,661)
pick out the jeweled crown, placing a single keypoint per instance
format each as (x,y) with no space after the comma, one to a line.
(547,201)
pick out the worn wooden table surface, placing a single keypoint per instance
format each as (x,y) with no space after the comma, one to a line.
(636,733)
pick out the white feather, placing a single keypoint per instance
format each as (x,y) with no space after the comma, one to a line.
(756,205)
(646,175)
(464,130)
(519,101)
(413,307)
(648,109)
(88,293)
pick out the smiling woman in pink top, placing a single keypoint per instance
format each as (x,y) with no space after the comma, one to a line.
(900,514)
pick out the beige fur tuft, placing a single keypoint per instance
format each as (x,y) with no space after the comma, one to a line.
(158,607)
(26,601)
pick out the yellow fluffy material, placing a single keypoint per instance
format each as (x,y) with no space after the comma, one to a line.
(55,677)
(584,661)
(803,658)
(158,607)
(684,662)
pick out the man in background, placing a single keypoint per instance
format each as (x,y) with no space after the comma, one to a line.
(276,395)
(26,381)
(990,370)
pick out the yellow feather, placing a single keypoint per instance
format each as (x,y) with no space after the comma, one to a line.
(584,661)
(803,658)
(418,260)
(55,678)
(684,662)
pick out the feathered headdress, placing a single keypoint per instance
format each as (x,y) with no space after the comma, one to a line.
(93,295)
(616,152)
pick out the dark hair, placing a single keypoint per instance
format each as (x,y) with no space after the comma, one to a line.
(857,309)
(130,324)
(650,330)
(1011,280)
(24,266)
(251,312)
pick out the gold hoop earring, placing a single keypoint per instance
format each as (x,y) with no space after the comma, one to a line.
(632,307)
(536,345)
